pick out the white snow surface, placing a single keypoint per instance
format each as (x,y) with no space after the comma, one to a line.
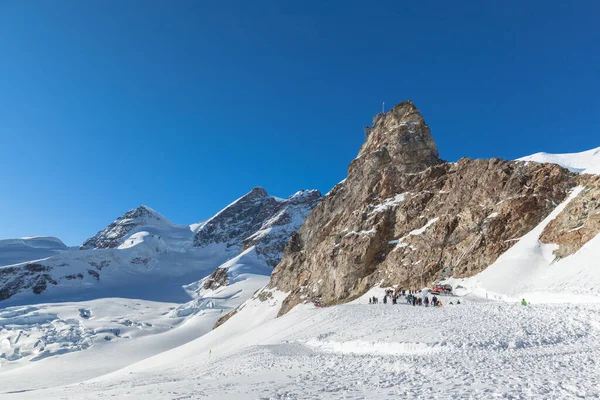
(390,202)
(586,162)
(246,273)
(69,342)
(32,333)
(478,350)
(132,291)
(14,251)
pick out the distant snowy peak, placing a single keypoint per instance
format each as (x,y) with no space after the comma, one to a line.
(232,224)
(586,162)
(272,236)
(14,251)
(113,235)
(258,219)
(142,252)
(36,242)
(304,196)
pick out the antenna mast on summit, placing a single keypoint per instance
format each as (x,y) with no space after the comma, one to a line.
(383,107)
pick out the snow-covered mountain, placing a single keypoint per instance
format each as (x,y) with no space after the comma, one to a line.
(13,251)
(143,255)
(255,228)
(132,283)
(585,162)
(260,220)
(142,219)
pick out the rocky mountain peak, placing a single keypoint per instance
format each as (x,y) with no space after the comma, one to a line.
(142,212)
(256,193)
(112,235)
(405,217)
(303,196)
(258,219)
(402,137)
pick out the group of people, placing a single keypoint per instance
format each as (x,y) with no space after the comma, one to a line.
(412,297)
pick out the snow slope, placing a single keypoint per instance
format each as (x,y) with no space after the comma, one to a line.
(37,339)
(14,251)
(478,350)
(586,162)
(246,274)
(530,270)
(135,289)
(72,342)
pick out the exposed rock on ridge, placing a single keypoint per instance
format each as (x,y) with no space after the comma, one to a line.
(401,136)
(403,216)
(579,222)
(215,280)
(260,220)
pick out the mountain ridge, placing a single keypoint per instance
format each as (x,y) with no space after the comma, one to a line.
(405,217)
(142,248)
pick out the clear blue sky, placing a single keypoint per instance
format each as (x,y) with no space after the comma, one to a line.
(186,105)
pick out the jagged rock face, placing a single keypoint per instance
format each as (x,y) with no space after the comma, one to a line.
(238,221)
(37,277)
(401,136)
(260,220)
(405,217)
(270,240)
(215,280)
(31,276)
(111,236)
(579,222)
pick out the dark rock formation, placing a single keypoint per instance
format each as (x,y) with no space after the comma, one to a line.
(94,274)
(237,221)
(30,276)
(580,220)
(260,220)
(217,279)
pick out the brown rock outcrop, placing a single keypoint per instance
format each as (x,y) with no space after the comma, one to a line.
(580,220)
(405,217)
(217,279)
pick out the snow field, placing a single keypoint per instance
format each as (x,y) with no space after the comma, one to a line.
(113,332)
(477,350)
(585,162)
